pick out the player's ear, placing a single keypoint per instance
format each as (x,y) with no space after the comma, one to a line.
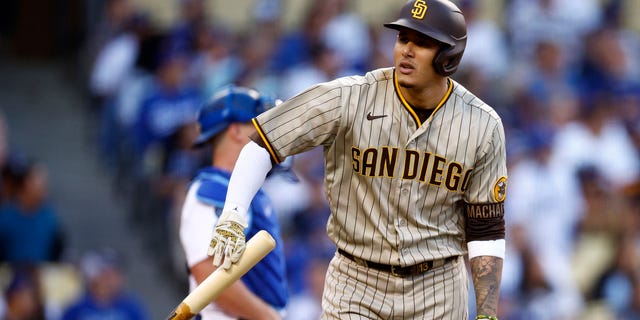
(233,131)
(238,132)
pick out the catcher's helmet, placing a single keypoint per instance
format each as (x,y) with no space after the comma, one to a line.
(441,20)
(228,105)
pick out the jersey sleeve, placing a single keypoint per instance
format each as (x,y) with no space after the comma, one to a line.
(303,122)
(487,191)
(196,224)
(489,176)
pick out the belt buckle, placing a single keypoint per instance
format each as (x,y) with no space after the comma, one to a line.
(394,273)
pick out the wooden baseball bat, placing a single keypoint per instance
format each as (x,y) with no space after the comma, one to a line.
(257,248)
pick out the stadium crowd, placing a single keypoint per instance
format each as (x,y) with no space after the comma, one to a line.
(564,75)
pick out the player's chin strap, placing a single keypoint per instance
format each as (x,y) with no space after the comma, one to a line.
(482,316)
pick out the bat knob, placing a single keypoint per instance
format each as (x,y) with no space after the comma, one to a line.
(182,312)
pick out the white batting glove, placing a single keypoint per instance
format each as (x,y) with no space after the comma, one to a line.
(228,239)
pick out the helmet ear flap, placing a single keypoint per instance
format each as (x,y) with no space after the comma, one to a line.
(447,59)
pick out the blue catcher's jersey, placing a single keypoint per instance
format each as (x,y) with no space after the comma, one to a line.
(267,279)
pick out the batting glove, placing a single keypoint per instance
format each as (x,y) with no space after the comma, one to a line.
(228,239)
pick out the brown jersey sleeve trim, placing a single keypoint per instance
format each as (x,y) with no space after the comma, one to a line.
(484,221)
(264,142)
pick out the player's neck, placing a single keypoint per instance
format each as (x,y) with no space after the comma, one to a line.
(426,97)
(224,156)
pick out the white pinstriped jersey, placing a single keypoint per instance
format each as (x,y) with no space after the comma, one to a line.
(396,186)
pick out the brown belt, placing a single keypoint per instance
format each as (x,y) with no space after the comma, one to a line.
(399,271)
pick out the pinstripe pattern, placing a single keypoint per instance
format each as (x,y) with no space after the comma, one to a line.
(396,186)
(356,292)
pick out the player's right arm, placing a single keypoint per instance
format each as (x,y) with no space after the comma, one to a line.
(249,173)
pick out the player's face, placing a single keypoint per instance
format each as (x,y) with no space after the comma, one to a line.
(413,55)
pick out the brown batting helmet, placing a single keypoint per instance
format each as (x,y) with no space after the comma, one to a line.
(441,20)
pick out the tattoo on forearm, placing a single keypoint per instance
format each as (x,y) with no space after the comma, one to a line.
(487,273)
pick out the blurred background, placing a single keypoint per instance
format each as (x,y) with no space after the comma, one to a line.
(97,109)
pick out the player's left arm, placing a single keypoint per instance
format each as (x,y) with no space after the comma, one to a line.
(486,272)
(485,225)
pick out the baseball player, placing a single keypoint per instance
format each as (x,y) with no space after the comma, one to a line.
(415,175)
(225,126)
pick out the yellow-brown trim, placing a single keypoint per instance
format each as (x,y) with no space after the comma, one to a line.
(404,101)
(445,98)
(265,140)
(408,106)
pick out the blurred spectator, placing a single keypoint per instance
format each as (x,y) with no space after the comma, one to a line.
(535,297)
(168,104)
(304,219)
(268,13)
(5,155)
(475,79)
(182,163)
(116,68)
(598,138)
(29,228)
(608,67)
(23,297)
(216,65)
(183,160)
(544,208)
(4,139)
(629,39)
(105,296)
(551,84)
(324,65)
(291,196)
(632,310)
(294,47)
(487,48)
(565,21)
(184,33)
(118,120)
(604,211)
(213,58)
(604,220)
(307,304)
(629,114)
(347,34)
(115,17)
(618,286)
(256,50)
(116,60)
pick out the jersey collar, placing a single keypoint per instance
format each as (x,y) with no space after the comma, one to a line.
(408,106)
